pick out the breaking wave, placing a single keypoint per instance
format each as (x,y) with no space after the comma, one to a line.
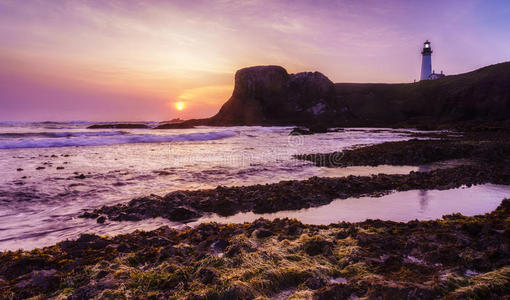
(60,134)
(67,139)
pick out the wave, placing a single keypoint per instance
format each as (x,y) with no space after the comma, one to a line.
(60,134)
(102,140)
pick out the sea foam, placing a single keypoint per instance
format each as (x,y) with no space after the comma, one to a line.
(66,139)
(59,134)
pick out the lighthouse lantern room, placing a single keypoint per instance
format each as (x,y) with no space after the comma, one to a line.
(426,61)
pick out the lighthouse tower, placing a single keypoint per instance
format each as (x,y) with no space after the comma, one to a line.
(426,61)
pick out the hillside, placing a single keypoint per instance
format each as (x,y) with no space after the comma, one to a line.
(482,95)
(268,95)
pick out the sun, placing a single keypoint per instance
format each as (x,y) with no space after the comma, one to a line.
(179,105)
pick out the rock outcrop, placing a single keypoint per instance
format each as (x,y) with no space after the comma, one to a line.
(268,95)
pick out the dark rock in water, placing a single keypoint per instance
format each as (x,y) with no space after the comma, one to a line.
(118,126)
(318,128)
(40,168)
(101,220)
(60,168)
(181,125)
(182,214)
(173,121)
(81,176)
(225,207)
(300,131)
(89,215)
(19,169)
(315,128)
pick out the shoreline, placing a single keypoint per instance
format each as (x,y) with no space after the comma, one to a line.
(454,257)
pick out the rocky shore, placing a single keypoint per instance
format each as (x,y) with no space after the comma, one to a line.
(457,257)
(488,154)
(185,206)
(414,152)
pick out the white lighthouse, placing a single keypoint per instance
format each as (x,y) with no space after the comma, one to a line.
(426,61)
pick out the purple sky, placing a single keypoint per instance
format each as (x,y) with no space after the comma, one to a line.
(133,60)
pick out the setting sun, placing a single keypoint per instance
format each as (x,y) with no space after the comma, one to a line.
(179,105)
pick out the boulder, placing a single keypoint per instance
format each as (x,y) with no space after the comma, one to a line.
(181,214)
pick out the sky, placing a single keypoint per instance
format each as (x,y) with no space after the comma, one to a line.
(133,60)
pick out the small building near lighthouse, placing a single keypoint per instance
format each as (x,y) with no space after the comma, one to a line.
(426,64)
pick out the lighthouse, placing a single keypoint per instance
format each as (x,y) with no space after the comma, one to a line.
(426,61)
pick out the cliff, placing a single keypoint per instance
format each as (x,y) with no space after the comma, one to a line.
(268,95)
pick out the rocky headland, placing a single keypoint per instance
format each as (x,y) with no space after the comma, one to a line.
(268,95)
